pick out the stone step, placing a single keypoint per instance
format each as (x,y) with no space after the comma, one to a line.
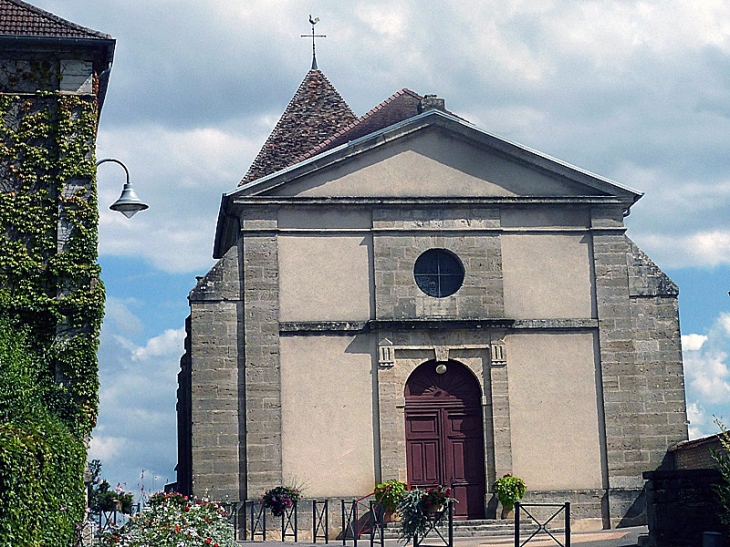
(472,528)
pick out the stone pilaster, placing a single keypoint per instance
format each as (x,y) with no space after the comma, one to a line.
(260,397)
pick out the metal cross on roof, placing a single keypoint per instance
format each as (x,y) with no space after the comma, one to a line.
(314,21)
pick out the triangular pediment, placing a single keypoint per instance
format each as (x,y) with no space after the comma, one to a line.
(430,156)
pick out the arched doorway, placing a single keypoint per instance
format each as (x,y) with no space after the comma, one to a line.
(444,434)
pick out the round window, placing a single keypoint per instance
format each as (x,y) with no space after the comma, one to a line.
(438,273)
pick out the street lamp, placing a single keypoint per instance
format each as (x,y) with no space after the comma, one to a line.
(128,203)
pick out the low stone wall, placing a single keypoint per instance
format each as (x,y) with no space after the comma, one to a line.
(681,505)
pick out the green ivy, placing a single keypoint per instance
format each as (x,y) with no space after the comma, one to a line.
(50,289)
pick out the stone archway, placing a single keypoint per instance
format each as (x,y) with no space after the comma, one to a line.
(444,434)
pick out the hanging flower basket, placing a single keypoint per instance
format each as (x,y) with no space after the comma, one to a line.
(280,499)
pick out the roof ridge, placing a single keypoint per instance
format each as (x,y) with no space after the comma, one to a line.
(377,108)
(90,33)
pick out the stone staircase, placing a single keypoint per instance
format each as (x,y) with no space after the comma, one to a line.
(473,528)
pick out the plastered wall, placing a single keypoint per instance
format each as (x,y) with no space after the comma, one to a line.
(327,414)
(547,276)
(325,278)
(556,441)
(428,164)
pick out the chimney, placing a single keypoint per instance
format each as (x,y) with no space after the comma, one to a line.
(431,102)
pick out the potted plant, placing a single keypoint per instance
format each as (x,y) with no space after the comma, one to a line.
(509,490)
(280,499)
(388,494)
(434,500)
(417,508)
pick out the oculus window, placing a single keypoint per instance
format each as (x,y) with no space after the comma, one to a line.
(438,273)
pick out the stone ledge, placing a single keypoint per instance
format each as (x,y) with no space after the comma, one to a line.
(349,327)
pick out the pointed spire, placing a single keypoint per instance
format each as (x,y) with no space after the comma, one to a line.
(314,21)
(315,113)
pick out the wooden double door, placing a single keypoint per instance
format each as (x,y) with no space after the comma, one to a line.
(445,435)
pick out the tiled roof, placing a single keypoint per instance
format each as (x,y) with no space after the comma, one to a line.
(396,108)
(315,113)
(18,18)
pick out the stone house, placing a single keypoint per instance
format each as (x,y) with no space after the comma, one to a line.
(403,295)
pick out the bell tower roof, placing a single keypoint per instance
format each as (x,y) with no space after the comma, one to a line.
(315,113)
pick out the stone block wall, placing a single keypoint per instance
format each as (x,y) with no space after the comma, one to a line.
(403,235)
(642,377)
(211,372)
(260,396)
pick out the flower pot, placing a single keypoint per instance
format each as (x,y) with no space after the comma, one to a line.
(508,513)
(432,509)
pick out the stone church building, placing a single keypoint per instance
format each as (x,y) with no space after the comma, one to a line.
(403,295)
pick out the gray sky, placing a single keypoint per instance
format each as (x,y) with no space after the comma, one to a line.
(636,91)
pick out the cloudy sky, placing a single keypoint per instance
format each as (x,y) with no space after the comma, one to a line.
(636,91)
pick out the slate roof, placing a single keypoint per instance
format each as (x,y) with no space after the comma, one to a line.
(315,113)
(21,19)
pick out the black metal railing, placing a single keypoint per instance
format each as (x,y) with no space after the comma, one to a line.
(360,517)
(377,523)
(232,509)
(320,521)
(257,520)
(435,529)
(542,527)
(349,522)
(290,523)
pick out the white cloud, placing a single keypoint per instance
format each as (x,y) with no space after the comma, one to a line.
(700,425)
(169,343)
(117,312)
(707,375)
(693,342)
(106,448)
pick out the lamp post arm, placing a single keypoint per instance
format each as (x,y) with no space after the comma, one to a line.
(98,163)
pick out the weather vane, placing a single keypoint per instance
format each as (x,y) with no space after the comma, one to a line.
(314,21)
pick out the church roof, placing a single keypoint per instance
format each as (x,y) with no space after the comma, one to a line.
(598,190)
(315,113)
(21,19)
(396,108)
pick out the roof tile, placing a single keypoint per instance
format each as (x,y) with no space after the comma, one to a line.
(18,18)
(316,112)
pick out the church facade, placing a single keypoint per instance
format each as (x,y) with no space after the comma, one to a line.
(405,296)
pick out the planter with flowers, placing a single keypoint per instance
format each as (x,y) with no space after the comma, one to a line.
(419,508)
(509,490)
(281,499)
(174,519)
(388,494)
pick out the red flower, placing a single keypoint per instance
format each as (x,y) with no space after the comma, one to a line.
(187,508)
(208,541)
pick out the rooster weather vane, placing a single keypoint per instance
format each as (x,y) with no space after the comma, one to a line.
(314,21)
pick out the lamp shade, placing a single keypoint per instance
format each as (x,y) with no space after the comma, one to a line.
(128,203)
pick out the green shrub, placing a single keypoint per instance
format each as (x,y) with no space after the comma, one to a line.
(389,493)
(41,463)
(509,490)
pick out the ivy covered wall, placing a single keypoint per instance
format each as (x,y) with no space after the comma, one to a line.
(49,278)
(51,296)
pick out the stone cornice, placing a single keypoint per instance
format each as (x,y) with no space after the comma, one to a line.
(353,327)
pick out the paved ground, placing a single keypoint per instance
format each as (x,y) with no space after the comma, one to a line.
(624,537)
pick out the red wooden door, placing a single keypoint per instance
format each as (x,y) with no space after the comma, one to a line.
(444,435)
